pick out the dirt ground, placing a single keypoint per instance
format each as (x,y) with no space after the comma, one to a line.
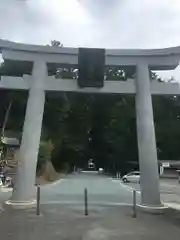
(69,223)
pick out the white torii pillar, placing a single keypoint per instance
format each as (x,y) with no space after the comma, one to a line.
(24,189)
(149,181)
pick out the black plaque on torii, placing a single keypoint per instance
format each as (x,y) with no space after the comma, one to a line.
(91,63)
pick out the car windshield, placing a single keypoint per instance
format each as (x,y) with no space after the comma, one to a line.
(133,173)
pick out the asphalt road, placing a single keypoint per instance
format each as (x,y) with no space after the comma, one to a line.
(102,190)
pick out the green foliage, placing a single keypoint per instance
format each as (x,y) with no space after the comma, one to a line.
(45,152)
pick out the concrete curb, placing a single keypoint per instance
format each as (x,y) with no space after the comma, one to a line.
(152,209)
(130,189)
(3,190)
(172,205)
(21,205)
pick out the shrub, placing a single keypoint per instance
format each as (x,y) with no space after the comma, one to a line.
(45,151)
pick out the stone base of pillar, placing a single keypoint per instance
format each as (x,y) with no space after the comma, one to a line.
(153,209)
(21,204)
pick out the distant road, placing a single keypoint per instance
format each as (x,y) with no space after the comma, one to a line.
(102,190)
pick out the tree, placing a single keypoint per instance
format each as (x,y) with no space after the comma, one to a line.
(56,43)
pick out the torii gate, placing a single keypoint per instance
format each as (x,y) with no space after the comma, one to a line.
(38,83)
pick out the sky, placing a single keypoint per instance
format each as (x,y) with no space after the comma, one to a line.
(94,23)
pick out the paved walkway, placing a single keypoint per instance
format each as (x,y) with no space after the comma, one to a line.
(101,191)
(68,223)
(62,214)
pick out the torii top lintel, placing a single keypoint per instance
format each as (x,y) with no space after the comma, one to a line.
(157,59)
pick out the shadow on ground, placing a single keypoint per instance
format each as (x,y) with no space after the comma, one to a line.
(68,222)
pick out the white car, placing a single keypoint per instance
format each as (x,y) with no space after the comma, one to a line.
(132,177)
